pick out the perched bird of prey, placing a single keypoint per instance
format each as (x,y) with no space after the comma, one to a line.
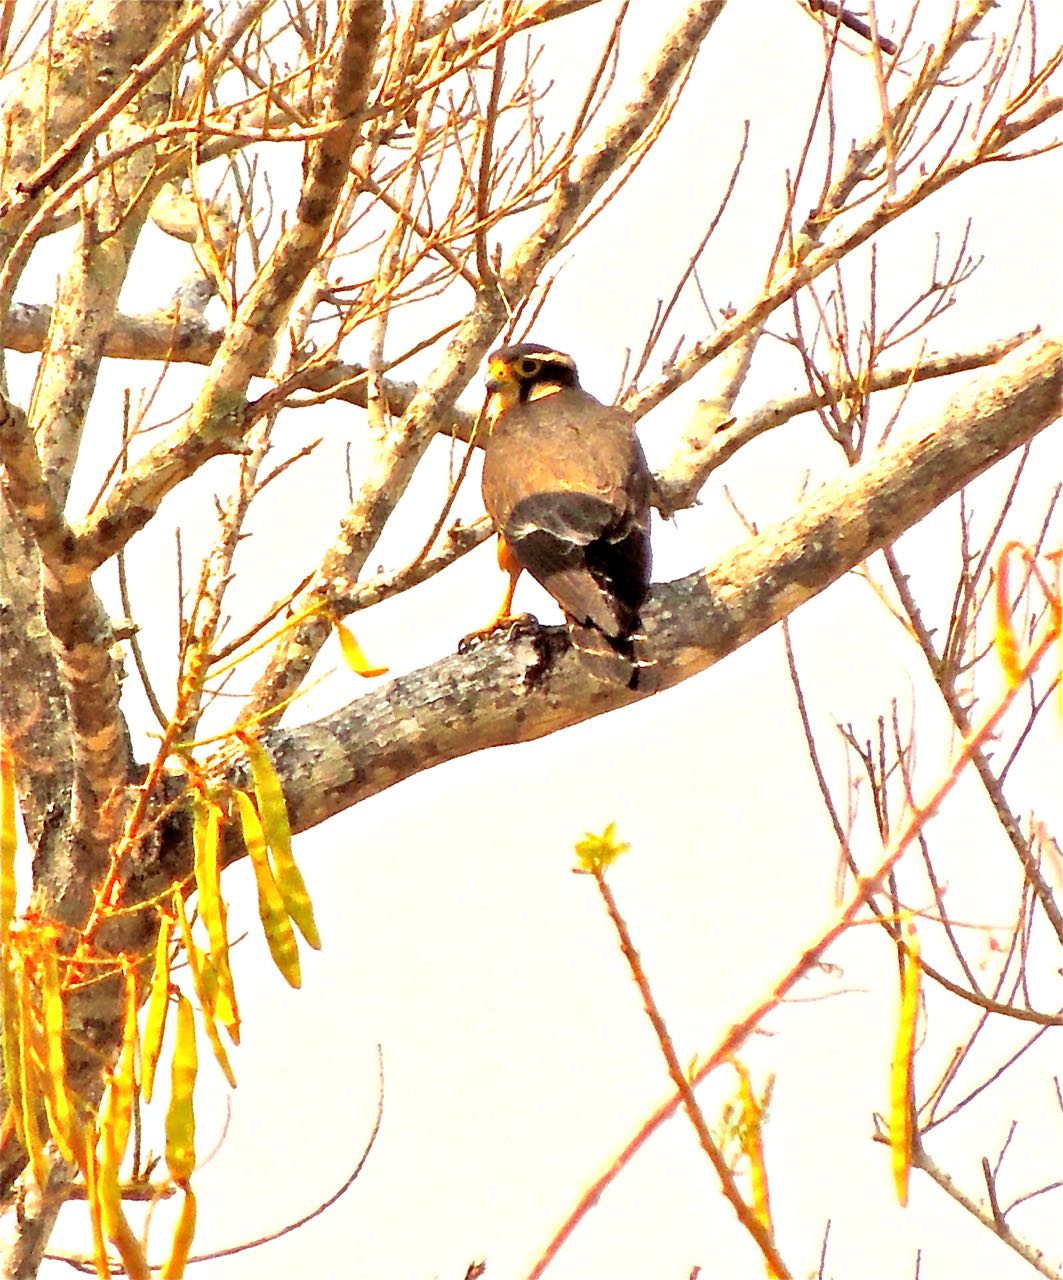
(566,483)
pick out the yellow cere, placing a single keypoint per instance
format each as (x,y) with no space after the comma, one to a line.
(501,371)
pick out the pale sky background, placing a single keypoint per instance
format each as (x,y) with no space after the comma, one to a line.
(517,1057)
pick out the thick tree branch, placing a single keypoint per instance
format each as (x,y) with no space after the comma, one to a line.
(499,694)
(706,444)
(33,707)
(217,420)
(389,212)
(39,453)
(26,489)
(69,647)
(86,302)
(75,146)
(174,337)
(54,109)
(400,451)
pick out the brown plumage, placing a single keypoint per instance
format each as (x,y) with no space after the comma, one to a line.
(566,483)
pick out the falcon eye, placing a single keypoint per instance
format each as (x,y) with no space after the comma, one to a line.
(528,367)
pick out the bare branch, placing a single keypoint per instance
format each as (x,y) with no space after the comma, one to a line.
(217,421)
(26,489)
(487,698)
(52,99)
(76,146)
(400,451)
(712,437)
(445,181)
(990,782)
(996,1224)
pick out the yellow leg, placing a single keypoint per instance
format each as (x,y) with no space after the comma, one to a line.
(504,616)
(508,565)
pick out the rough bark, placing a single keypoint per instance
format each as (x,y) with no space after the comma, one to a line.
(517,690)
(76,769)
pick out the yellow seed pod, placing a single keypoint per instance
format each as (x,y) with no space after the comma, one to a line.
(212,913)
(174,1268)
(275,923)
(900,1121)
(180,1115)
(752,1137)
(273,812)
(92,1196)
(353,654)
(60,1108)
(31,1058)
(1005,642)
(8,841)
(158,1005)
(11,1019)
(205,982)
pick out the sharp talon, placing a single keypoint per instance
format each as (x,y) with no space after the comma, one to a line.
(474,639)
(511,625)
(521,624)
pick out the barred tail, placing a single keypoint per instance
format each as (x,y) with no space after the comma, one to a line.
(623,660)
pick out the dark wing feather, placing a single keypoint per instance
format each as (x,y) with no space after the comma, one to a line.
(567,485)
(579,518)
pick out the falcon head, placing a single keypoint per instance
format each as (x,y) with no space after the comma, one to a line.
(526,372)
